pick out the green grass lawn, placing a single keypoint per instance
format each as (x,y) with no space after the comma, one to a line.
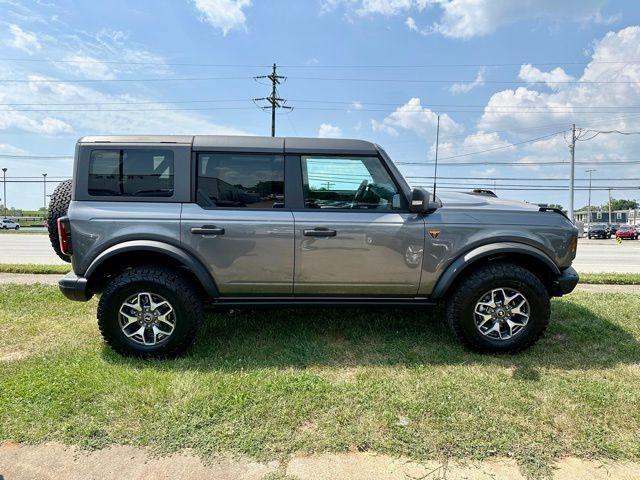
(33,268)
(270,383)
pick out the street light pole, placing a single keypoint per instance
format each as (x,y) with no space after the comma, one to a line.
(4,187)
(44,181)
(590,171)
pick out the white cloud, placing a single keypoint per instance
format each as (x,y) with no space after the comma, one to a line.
(414,117)
(411,24)
(327,130)
(111,119)
(553,79)
(471,18)
(475,142)
(23,40)
(225,15)
(616,85)
(90,67)
(369,7)
(356,105)
(468,86)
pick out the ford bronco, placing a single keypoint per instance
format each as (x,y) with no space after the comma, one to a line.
(162,227)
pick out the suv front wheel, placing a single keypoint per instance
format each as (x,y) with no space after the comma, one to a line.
(150,312)
(499,307)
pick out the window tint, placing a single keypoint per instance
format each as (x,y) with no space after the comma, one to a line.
(240,180)
(135,173)
(349,183)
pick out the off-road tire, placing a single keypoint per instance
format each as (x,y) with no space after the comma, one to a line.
(170,284)
(460,307)
(58,207)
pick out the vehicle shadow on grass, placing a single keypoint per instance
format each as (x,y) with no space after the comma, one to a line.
(345,338)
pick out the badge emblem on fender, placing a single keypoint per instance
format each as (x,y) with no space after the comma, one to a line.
(434,233)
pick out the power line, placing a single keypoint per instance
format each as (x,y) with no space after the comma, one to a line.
(318,66)
(525,164)
(331,79)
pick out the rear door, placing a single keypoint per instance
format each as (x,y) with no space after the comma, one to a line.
(239,225)
(354,235)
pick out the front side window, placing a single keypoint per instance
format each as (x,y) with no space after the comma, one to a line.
(131,172)
(360,183)
(231,180)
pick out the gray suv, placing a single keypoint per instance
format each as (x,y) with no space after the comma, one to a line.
(162,227)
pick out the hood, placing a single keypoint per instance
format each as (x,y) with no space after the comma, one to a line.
(470,200)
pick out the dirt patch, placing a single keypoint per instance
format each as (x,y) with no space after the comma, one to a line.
(13,356)
(54,461)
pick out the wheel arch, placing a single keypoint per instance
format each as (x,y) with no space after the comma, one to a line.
(526,256)
(119,257)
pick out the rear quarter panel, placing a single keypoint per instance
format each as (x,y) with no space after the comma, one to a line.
(96,226)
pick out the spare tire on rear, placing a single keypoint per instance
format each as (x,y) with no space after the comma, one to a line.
(58,207)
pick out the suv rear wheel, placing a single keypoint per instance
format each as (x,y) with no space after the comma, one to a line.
(150,312)
(499,307)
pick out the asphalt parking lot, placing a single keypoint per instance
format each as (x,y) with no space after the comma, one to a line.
(593,255)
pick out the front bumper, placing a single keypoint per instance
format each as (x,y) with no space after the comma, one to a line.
(74,287)
(566,282)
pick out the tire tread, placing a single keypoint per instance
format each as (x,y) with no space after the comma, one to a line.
(168,278)
(481,276)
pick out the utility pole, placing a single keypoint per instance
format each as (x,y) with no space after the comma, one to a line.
(590,171)
(4,186)
(274,100)
(44,181)
(435,168)
(572,147)
(610,205)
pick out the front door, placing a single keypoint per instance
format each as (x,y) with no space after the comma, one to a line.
(238,226)
(354,235)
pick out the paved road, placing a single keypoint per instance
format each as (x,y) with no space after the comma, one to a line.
(608,256)
(27,248)
(593,255)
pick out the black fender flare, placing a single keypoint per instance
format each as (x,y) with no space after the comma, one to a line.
(178,254)
(483,251)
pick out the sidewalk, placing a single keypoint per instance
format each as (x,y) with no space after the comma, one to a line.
(49,461)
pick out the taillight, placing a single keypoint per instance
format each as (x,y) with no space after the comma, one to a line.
(64,236)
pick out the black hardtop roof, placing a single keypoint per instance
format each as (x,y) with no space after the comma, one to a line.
(239,143)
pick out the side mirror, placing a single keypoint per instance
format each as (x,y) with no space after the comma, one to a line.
(421,202)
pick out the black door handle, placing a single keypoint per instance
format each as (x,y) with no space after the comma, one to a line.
(319,232)
(207,230)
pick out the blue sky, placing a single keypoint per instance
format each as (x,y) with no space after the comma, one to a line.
(499,72)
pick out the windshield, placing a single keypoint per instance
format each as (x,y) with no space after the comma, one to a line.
(599,225)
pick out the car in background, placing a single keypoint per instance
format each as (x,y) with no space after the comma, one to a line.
(613,228)
(6,224)
(637,227)
(627,231)
(598,230)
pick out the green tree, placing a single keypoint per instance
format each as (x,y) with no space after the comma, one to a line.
(620,204)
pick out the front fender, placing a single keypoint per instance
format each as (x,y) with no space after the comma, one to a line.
(178,254)
(484,251)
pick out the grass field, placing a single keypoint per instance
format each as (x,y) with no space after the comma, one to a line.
(33,268)
(271,383)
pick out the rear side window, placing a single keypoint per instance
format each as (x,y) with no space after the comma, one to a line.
(131,173)
(230,180)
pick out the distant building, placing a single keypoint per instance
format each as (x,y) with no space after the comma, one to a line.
(602,216)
